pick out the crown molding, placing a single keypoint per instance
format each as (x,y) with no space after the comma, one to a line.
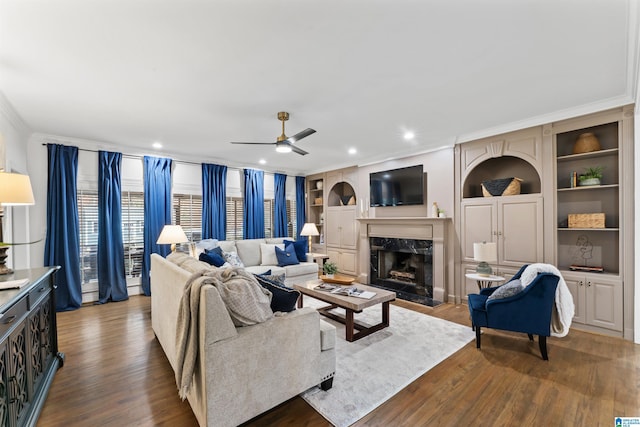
(9,113)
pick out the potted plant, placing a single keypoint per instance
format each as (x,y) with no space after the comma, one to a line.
(592,176)
(330,268)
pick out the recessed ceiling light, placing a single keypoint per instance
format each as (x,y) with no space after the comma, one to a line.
(352,151)
(408,135)
(157,145)
(262,161)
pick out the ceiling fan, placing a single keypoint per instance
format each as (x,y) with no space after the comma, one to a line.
(285,144)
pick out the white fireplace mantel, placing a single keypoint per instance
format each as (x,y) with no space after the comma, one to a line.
(419,228)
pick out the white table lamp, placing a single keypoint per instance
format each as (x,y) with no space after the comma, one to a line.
(172,234)
(484,253)
(15,190)
(309,229)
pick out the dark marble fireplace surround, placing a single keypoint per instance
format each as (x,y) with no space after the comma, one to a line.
(404,266)
(403,243)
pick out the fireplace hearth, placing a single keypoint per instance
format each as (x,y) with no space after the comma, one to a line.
(404,266)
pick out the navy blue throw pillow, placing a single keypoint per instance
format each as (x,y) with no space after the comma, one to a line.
(286,256)
(216,250)
(300,246)
(212,258)
(283,298)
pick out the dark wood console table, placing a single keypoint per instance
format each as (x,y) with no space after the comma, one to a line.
(29,356)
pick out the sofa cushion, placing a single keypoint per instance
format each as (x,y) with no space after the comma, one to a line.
(301,247)
(212,258)
(283,299)
(268,251)
(507,290)
(206,244)
(301,269)
(261,269)
(286,256)
(274,240)
(188,262)
(228,246)
(249,251)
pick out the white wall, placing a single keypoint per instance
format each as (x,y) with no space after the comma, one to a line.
(14,134)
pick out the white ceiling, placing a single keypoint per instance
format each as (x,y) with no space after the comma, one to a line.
(198,74)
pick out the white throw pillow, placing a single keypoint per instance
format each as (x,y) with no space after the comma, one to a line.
(268,252)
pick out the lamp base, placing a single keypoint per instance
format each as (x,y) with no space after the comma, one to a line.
(484,269)
(3,257)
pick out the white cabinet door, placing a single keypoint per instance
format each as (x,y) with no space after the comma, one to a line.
(478,221)
(520,231)
(576,285)
(604,303)
(348,227)
(332,227)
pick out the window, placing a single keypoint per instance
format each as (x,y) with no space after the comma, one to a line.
(186,211)
(291,219)
(234,218)
(269,215)
(133,232)
(88,222)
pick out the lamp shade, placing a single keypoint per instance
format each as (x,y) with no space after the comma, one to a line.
(309,229)
(485,251)
(15,189)
(172,234)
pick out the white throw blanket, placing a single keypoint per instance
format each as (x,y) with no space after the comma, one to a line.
(563,309)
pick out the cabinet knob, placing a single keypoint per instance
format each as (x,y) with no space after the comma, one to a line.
(588,283)
(580,283)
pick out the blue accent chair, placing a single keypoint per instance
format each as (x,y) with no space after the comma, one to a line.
(529,311)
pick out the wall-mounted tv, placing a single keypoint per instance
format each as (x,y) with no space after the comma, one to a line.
(396,187)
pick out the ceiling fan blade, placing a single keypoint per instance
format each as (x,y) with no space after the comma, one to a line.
(297,150)
(255,143)
(298,136)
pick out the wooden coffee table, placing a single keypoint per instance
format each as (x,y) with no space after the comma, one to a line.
(351,305)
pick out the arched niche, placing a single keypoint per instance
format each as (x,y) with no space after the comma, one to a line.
(342,194)
(502,167)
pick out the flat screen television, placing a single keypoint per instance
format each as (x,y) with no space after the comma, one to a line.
(396,187)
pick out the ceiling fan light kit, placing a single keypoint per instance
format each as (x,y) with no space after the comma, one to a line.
(283,143)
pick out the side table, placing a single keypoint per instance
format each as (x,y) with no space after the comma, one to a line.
(318,258)
(484,281)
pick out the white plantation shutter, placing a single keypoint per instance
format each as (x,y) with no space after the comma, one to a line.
(291,219)
(234,218)
(269,206)
(187,212)
(133,232)
(88,222)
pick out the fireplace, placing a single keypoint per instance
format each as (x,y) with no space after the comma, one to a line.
(404,266)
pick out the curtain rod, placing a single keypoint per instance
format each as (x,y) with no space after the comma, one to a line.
(132,156)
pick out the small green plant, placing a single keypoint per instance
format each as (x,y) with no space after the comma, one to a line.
(592,173)
(330,268)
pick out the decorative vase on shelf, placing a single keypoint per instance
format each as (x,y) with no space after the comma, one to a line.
(318,185)
(586,143)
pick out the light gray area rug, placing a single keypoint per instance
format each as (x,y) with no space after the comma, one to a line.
(373,369)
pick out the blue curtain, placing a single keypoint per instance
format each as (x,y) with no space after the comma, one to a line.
(300,205)
(112,283)
(157,211)
(214,204)
(280,220)
(62,245)
(253,214)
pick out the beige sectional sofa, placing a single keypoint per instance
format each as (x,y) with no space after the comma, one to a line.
(241,372)
(250,253)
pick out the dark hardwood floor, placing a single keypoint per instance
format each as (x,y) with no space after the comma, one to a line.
(116,374)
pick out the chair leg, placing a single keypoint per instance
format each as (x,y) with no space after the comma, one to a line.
(542,342)
(477,336)
(530,337)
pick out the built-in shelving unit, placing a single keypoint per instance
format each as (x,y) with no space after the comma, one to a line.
(315,212)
